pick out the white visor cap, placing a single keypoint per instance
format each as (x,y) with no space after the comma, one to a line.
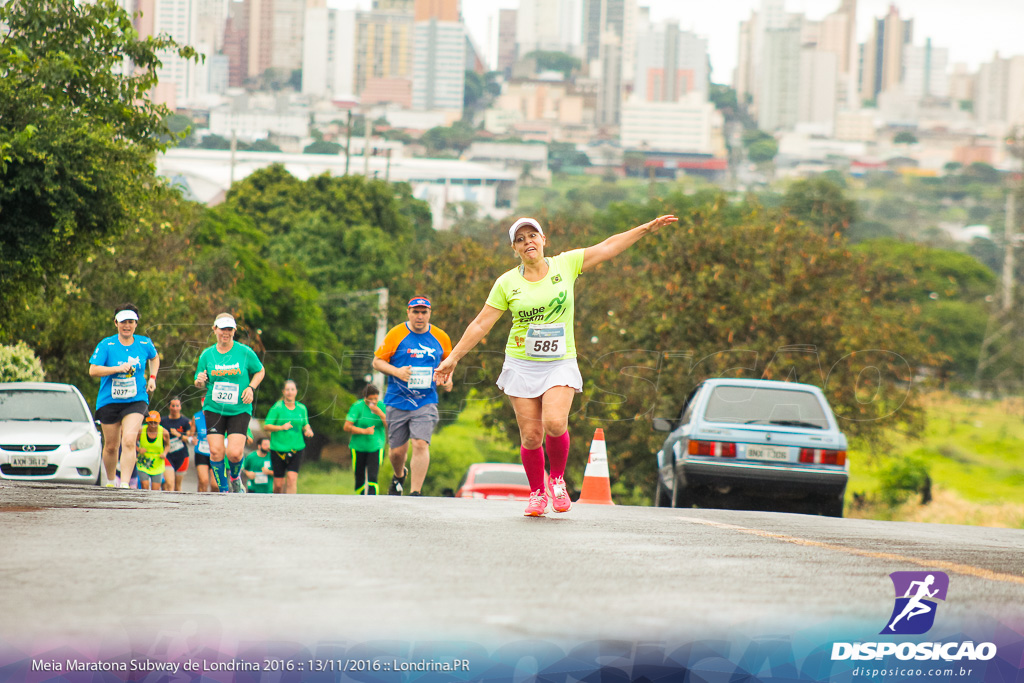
(520,223)
(126,315)
(225,322)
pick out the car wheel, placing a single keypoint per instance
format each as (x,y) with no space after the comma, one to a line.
(681,497)
(661,497)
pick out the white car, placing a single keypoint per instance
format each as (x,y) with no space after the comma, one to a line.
(47,433)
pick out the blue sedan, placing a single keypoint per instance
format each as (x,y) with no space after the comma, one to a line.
(756,444)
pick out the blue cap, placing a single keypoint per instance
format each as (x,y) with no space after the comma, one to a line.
(419,301)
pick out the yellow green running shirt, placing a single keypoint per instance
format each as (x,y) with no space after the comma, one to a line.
(547,305)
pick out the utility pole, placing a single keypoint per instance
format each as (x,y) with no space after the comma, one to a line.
(234,147)
(366,146)
(348,140)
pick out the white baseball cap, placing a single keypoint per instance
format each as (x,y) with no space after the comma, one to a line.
(225,322)
(520,223)
(126,315)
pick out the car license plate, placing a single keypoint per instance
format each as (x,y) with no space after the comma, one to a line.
(767,453)
(28,461)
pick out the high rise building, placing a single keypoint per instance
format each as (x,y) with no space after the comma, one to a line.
(925,71)
(260,36)
(743,76)
(286,43)
(177,19)
(683,125)
(961,84)
(507,53)
(394,5)
(236,42)
(548,25)
(347,52)
(670,63)
(610,17)
(999,93)
(211,16)
(609,93)
(779,79)
(883,54)
(817,91)
(439,56)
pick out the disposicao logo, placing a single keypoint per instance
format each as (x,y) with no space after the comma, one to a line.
(913,613)
(916,596)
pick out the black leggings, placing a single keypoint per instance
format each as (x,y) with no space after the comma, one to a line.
(366,466)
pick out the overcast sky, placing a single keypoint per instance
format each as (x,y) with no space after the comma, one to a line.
(971,29)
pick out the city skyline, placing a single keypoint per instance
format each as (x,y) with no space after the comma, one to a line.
(949,23)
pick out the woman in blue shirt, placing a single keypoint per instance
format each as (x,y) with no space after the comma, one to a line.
(123,400)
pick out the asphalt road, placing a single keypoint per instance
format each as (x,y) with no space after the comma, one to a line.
(83,563)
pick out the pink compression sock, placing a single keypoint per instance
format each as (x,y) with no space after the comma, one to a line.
(558,453)
(533,463)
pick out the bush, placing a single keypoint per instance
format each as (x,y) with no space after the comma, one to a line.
(18,363)
(903,478)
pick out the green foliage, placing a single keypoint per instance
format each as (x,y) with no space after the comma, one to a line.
(214,141)
(944,290)
(77,133)
(763,150)
(555,61)
(563,154)
(905,137)
(264,145)
(322,147)
(455,138)
(820,203)
(18,363)
(902,478)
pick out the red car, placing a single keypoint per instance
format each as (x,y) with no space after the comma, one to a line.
(494,480)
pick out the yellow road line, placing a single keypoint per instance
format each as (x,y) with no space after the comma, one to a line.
(956,567)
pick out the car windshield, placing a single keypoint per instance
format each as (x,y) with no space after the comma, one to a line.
(41,405)
(763,405)
(501,477)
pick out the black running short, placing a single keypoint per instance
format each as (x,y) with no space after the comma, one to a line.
(113,413)
(202,459)
(285,461)
(178,458)
(226,425)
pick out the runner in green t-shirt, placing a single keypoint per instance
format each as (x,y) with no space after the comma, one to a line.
(287,423)
(256,468)
(230,373)
(368,425)
(540,373)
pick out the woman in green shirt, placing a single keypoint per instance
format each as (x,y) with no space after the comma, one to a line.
(368,426)
(540,374)
(287,423)
(230,373)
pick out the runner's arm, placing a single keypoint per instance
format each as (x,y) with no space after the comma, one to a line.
(154,368)
(167,442)
(381,365)
(107,370)
(616,244)
(477,330)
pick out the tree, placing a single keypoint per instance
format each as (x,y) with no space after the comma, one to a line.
(18,363)
(550,60)
(905,137)
(264,145)
(322,147)
(214,141)
(763,150)
(820,204)
(78,133)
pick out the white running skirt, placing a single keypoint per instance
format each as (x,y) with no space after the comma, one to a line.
(531,378)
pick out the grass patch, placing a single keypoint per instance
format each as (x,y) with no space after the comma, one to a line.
(452,449)
(974,451)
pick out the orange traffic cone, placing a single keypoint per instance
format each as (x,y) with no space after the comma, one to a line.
(597,489)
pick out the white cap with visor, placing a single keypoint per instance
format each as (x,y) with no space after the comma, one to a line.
(126,314)
(520,223)
(225,322)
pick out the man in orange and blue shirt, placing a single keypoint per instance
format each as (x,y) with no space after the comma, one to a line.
(409,354)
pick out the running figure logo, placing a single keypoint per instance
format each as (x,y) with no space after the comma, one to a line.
(916,595)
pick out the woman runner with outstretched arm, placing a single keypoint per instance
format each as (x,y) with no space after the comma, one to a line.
(540,374)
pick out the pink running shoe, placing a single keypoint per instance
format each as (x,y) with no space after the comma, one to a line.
(538,504)
(560,500)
